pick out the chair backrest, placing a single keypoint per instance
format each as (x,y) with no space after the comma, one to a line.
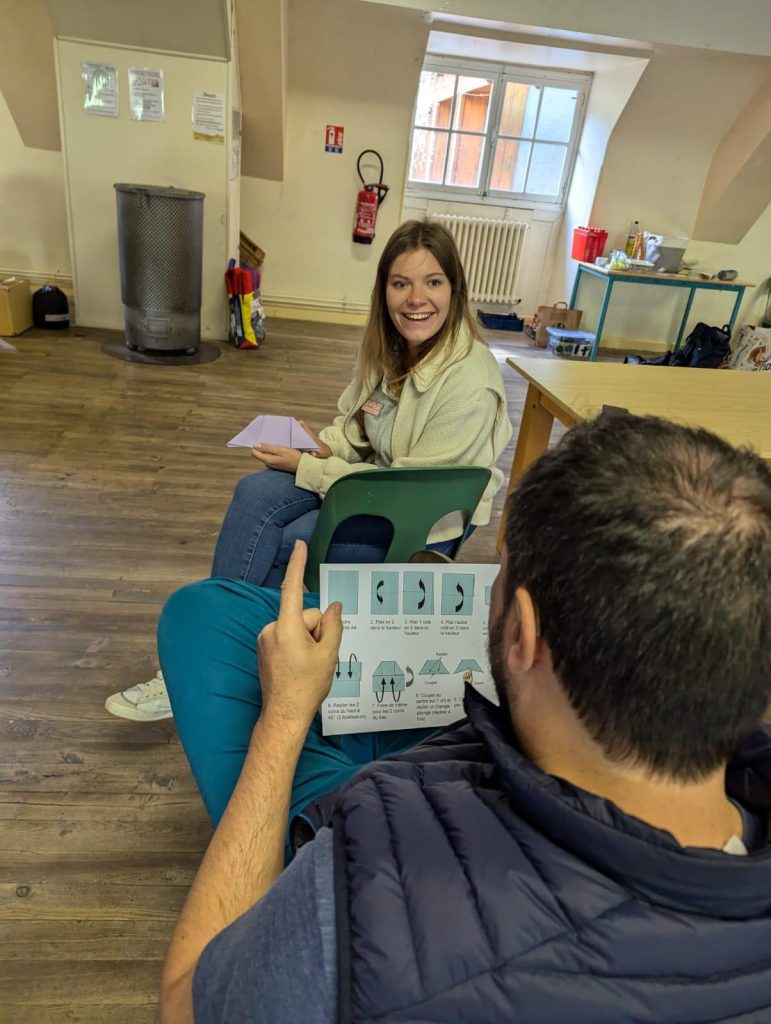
(412,500)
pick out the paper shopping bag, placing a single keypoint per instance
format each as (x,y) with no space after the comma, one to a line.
(557,315)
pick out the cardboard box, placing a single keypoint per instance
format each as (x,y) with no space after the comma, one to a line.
(15,306)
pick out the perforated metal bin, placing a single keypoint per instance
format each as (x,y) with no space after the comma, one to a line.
(160,243)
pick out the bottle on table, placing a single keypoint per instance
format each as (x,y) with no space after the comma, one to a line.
(631,235)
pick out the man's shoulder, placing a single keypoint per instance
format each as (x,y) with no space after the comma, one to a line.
(290,935)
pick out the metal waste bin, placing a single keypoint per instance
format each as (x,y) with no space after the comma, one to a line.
(160,242)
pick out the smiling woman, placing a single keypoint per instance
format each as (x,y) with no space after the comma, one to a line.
(427,392)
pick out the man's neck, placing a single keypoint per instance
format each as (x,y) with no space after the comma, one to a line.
(696,814)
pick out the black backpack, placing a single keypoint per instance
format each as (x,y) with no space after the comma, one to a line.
(50,309)
(705,348)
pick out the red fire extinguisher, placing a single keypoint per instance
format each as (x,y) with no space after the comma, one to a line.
(367,202)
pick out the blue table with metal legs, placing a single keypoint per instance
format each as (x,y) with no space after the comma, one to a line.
(693,284)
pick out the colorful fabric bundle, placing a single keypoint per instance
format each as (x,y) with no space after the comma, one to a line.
(247,316)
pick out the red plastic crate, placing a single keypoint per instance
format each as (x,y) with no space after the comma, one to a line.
(588,244)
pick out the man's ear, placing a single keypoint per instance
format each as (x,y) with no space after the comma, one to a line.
(521,632)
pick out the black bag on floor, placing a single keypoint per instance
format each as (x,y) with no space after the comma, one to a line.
(50,309)
(705,348)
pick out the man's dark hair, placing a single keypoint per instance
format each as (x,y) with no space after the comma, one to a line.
(646,548)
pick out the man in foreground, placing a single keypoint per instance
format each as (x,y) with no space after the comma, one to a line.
(597,849)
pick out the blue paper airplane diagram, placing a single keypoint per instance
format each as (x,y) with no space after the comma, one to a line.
(346,679)
(434,667)
(388,679)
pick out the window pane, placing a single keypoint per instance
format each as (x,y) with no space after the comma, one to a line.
(434,99)
(510,165)
(558,108)
(545,172)
(427,159)
(465,160)
(472,104)
(519,110)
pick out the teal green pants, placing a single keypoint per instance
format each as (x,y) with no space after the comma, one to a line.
(207,643)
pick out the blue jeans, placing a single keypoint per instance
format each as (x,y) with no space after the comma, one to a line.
(268,513)
(207,638)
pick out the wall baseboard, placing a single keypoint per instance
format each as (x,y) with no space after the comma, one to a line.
(63,281)
(322,311)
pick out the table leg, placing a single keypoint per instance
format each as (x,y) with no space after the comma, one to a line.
(532,441)
(601,319)
(735,313)
(684,321)
(574,294)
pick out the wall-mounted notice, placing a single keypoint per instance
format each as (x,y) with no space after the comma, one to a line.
(333,138)
(209,117)
(100,85)
(146,94)
(413,635)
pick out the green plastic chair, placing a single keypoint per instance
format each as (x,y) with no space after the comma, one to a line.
(412,500)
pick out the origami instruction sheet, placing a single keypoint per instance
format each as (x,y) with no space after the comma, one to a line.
(413,635)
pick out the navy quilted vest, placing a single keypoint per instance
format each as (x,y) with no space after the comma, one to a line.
(472,888)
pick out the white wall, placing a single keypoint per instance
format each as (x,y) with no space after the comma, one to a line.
(355,65)
(33,212)
(611,90)
(654,171)
(101,150)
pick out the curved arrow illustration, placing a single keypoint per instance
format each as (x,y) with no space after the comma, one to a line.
(382,693)
(411,680)
(422,587)
(381,583)
(350,665)
(458,607)
(396,696)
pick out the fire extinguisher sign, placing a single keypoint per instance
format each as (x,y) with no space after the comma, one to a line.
(333,138)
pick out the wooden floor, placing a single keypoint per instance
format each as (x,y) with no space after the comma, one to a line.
(113,481)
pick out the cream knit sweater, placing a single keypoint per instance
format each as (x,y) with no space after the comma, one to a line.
(451,415)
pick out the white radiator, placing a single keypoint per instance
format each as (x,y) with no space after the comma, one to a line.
(490,251)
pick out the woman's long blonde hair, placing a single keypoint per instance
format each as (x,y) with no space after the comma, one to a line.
(384,352)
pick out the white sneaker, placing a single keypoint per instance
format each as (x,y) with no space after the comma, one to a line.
(145,702)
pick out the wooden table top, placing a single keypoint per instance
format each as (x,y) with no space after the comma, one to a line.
(655,276)
(734,404)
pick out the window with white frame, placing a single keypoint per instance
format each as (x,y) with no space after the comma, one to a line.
(499,131)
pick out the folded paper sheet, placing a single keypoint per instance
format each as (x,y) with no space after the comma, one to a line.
(279,430)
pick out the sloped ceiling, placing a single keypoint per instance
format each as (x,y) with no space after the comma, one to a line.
(27,75)
(197,27)
(738,185)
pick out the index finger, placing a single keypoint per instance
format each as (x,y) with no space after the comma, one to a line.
(292,587)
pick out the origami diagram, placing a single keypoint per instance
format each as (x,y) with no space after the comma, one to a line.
(344,587)
(418,593)
(388,677)
(468,665)
(279,430)
(457,593)
(436,667)
(346,680)
(385,593)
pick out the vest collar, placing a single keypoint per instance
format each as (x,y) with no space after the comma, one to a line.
(645,859)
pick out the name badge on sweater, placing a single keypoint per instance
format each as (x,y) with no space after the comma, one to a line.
(372,407)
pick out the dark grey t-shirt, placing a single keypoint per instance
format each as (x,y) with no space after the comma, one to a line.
(278,961)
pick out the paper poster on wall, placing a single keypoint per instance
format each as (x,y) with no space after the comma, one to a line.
(333,138)
(209,117)
(146,94)
(100,84)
